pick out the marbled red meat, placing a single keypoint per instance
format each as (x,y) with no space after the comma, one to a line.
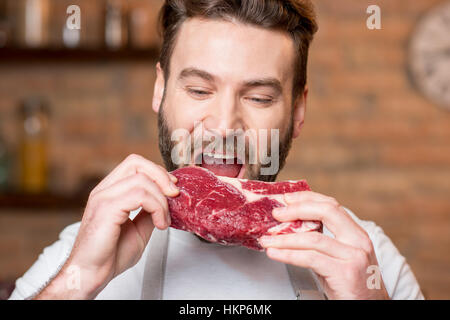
(232,211)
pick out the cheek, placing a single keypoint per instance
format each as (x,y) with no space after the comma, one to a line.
(180,114)
(270,118)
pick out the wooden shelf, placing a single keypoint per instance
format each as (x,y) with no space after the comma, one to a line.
(41,201)
(19,55)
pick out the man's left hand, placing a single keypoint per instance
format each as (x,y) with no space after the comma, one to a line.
(342,263)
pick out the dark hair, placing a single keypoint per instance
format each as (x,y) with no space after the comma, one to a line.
(296,17)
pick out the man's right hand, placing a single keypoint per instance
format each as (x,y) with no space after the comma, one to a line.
(108,241)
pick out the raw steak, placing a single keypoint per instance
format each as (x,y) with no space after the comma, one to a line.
(232,211)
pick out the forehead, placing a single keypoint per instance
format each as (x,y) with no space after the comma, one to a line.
(232,50)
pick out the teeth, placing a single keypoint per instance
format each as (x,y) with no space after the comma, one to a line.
(219,156)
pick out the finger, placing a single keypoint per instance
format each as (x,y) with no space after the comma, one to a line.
(132,200)
(134,164)
(357,238)
(132,182)
(320,263)
(144,225)
(309,241)
(301,196)
(334,218)
(130,246)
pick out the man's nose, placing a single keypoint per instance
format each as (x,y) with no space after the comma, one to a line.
(224,114)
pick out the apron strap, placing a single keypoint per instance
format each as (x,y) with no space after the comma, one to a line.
(155,265)
(304,283)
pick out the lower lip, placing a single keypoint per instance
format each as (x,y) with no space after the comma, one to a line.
(240,174)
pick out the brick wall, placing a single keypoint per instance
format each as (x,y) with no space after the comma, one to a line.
(370,139)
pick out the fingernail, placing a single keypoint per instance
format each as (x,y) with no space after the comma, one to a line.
(174,189)
(173,178)
(289,196)
(265,240)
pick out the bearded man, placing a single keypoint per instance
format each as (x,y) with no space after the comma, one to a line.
(224,65)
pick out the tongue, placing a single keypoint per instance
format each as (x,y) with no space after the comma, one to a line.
(227,170)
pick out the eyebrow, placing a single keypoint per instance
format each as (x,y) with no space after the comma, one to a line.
(193,72)
(261,82)
(265,82)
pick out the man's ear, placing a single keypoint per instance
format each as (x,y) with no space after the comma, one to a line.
(299,112)
(158,90)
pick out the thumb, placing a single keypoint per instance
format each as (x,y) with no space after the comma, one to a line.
(144,225)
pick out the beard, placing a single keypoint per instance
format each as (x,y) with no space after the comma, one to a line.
(253,171)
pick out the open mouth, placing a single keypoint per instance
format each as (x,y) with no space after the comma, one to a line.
(222,164)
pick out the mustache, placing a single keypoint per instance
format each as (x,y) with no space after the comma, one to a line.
(228,148)
(254,171)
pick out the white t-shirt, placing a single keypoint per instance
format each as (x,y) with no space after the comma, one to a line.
(199,270)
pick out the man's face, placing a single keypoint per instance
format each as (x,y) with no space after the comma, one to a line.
(228,76)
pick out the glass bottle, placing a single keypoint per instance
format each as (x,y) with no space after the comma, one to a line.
(4,164)
(32,23)
(34,145)
(116,33)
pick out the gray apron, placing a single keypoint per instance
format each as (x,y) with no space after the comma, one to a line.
(304,281)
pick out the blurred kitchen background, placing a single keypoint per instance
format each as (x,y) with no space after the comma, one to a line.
(74,103)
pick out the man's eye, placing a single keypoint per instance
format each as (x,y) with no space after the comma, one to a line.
(200,93)
(261,101)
